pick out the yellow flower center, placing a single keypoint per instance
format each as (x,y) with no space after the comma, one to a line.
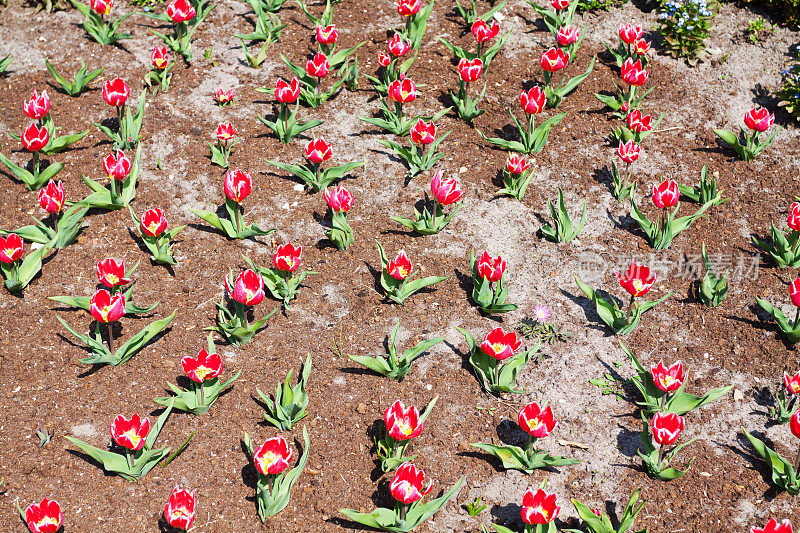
(404,427)
(498,347)
(113,279)
(47,521)
(202,371)
(9,251)
(638,285)
(134,437)
(534,424)
(542,511)
(152,227)
(268,459)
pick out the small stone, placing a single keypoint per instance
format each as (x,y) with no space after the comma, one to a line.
(462,170)
(738,395)
(298,187)
(362,408)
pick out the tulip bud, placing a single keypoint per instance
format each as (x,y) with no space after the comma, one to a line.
(115,92)
(794,292)
(794,216)
(629,151)
(637,122)
(539,507)
(106,308)
(483,32)
(237,185)
(180,11)
(51,197)
(11,248)
(422,133)
(248,289)
(44,517)
(794,424)
(159,57)
(287,257)
(225,131)
(402,424)
(179,512)
(203,367)
(117,165)
(567,35)
(111,273)
(384,59)
(535,421)
(666,194)
(402,91)
(558,5)
(318,67)
(666,428)
(318,150)
(130,434)
(37,106)
(287,93)
(408,482)
(400,267)
(273,456)
(633,74)
(327,35)
(338,199)
(517,164)
(408,8)
(554,59)
(641,47)
(499,344)
(532,101)
(470,70)
(630,33)
(668,379)
(34,139)
(447,191)
(398,46)
(153,222)
(490,268)
(759,119)
(637,280)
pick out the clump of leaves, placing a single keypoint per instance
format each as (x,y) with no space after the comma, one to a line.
(685,25)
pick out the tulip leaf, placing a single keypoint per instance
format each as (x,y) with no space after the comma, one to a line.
(516,458)
(189,400)
(791,331)
(392,365)
(101,355)
(290,404)
(783,472)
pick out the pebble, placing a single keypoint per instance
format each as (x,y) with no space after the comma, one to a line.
(738,395)
(361,408)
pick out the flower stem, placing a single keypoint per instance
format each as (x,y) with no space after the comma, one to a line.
(238,217)
(202,393)
(797,461)
(110,337)
(631,307)
(129,458)
(36,166)
(661,451)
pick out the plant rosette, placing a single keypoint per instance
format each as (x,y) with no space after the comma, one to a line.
(552,61)
(400,91)
(748,144)
(483,33)
(401,425)
(562,229)
(395,365)
(289,405)
(275,478)
(80,81)
(280,280)
(221,151)
(537,423)
(153,231)
(498,359)
(489,291)
(246,291)
(123,176)
(637,282)
(407,488)
(126,137)
(790,330)
(422,155)
(662,388)
(395,277)
(103,31)
(713,289)
(160,75)
(595,521)
(705,191)
(516,176)
(784,473)
(205,387)
(433,220)
(784,249)
(186,18)
(339,200)
(33,139)
(784,409)
(267,25)
(469,71)
(539,510)
(665,429)
(533,137)
(18,272)
(315,177)
(310,78)
(286,125)
(137,439)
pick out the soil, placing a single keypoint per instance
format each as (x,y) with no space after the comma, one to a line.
(341,312)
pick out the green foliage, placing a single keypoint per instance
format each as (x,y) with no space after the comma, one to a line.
(789,93)
(290,404)
(758,30)
(395,365)
(685,26)
(595,5)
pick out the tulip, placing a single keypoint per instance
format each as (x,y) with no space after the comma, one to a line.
(34,139)
(117,165)
(318,150)
(287,257)
(101,7)
(223,97)
(628,152)
(400,267)
(203,367)
(116,92)
(759,119)
(248,289)
(338,199)
(237,185)
(668,379)
(44,517)
(641,47)
(318,67)
(470,70)
(273,456)
(774,527)
(633,74)
(11,248)
(401,423)
(398,46)
(500,345)
(554,59)
(630,33)
(517,164)
(37,106)
(446,191)
(666,194)
(558,5)
(327,35)
(794,216)
(402,91)
(132,433)
(106,308)
(153,222)
(111,273)
(422,133)
(539,507)
(179,511)
(625,106)
(287,93)
(568,35)
(483,32)
(535,421)
(408,8)
(490,268)
(159,57)
(637,280)
(666,428)
(180,11)
(532,101)
(637,122)
(225,131)
(51,197)
(792,383)
(794,292)
(407,485)
(384,59)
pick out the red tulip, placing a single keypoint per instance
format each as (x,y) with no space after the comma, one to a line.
(153,222)
(446,191)
(398,46)
(666,428)
(539,507)
(554,59)
(637,122)
(628,152)
(287,257)
(402,91)
(117,165)
(384,59)
(179,511)
(115,92)
(407,484)
(180,11)
(132,433)
(338,199)
(630,33)
(666,194)
(37,106)
(567,35)
(400,267)
(517,164)
(318,150)
(203,367)
(794,424)
(490,268)
(633,73)
(422,133)
(532,101)
(159,57)
(794,216)
(273,456)
(101,7)
(641,47)
(637,280)
(225,131)
(625,106)
(774,527)
(287,93)
(558,5)
(237,185)
(224,97)
(11,248)
(794,292)
(106,308)
(44,517)
(470,70)
(51,197)
(327,35)
(499,344)
(483,32)
(792,383)
(248,289)
(408,8)
(319,66)
(668,379)
(759,119)
(111,273)
(401,423)
(34,139)
(535,421)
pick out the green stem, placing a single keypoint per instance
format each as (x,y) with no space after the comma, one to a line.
(435,211)
(129,458)
(529,136)
(36,166)
(238,217)
(202,393)
(110,337)
(661,451)
(631,305)
(316,173)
